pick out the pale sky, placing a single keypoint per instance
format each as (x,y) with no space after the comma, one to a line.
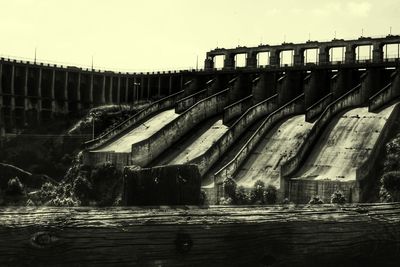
(169,34)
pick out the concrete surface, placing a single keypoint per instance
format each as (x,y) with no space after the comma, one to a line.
(344,145)
(142,132)
(208,178)
(277,145)
(199,145)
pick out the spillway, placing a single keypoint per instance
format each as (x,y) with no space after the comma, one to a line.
(344,145)
(143,131)
(280,143)
(197,143)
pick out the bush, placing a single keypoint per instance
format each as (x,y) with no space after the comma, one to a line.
(257,193)
(225,201)
(82,189)
(338,198)
(270,194)
(316,200)
(241,198)
(391,184)
(14,187)
(230,188)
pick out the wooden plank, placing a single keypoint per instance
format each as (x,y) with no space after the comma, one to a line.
(286,235)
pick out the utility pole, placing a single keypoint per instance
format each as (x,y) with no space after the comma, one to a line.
(35,56)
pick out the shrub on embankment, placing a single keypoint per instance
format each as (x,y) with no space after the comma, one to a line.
(44,155)
(390,180)
(238,195)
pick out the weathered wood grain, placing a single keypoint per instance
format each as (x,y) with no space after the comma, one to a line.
(327,235)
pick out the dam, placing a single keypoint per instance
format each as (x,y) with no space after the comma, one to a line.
(307,128)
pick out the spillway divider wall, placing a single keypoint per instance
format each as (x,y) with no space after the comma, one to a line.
(207,159)
(386,94)
(147,150)
(293,107)
(234,110)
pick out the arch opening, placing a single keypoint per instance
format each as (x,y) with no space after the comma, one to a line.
(286,58)
(240,60)
(263,59)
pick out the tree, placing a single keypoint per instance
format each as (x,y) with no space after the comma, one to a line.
(14,187)
(257,193)
(316,200)
(270,194)
(338,197)
(241,196)
(391,183)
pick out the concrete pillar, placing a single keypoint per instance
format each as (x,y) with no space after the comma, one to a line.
(119,90)
(170,85)
(265,86)
(26,107)
(39,94)
(350,55)
(377,53)
(209,63)
(298,59)
(316,86)
(229,61)
(274,59)
(12,102)
(127,89)
(135,90)
(26,89)
(182,83)
(91,91)
(148,87)
(159,86)
(52,92)
(110,94)
(66,92)
(289,86)
(78,92)
(2,123)
(1,85)
(251,60)
(323,55)
(103,90)
(142,85)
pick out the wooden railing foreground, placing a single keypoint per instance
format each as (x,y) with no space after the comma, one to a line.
(284,235)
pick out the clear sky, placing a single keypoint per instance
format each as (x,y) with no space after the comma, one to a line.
(169,34)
